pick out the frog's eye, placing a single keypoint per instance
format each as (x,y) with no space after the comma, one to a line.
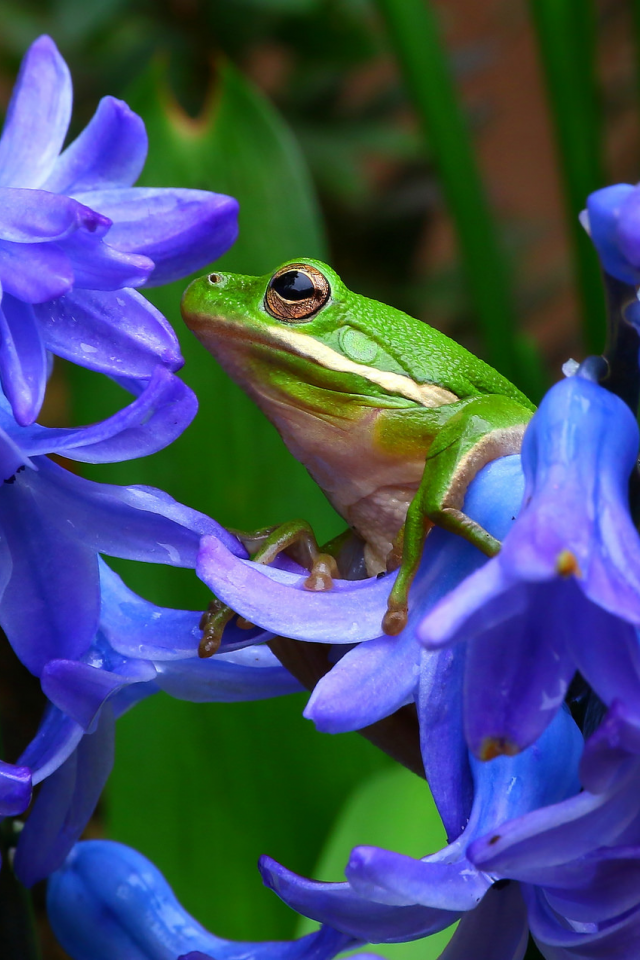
(296,292)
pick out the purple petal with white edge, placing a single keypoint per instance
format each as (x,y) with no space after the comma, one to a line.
(109,901)
(444,750)
(394,878)
(114,332)
(276,600)
(604,208)
(136,523)
(33,216)
(370,682)
(35,272)
(12,460)
(55,741)
(23,359)
(151,422)
(80,690)
(517,674)
(64,805)
(496,930)
(180,230)
(101,266)
(51,604)
(339,906)
(110,152)
(250,674)
(37,118)
(618,939)
(15,789)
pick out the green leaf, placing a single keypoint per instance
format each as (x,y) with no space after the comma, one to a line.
(566,31)
(393,809)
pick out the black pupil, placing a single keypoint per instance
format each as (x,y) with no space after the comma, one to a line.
(293,285)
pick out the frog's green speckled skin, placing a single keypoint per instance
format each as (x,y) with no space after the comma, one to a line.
(383,410)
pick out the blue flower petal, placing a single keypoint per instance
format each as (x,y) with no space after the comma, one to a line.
(35,272)
(101,266)
(339,906)
(15,789)
(250,674)
(37,118)
(444,750)
(80,690)
(180,230)
(56,739)
(617,939)
(109,901)
(368,683)
(23,360)
(603,214)
(51,604)
(136,523)
(517,673)
(30,216)
(151,422)
(114,332)
(110,152)
(277,601)
(64,805)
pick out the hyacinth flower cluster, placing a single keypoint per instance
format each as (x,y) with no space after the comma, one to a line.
(75,240)
(523,670)
(525,673)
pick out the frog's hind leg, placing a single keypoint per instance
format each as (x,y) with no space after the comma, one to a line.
(483,430)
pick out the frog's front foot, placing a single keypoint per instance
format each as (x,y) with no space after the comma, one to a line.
(324,569)
(212,623)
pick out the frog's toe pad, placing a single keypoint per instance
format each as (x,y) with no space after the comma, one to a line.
(395,620)
(323,571)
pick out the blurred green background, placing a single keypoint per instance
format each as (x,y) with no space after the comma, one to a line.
(437,154)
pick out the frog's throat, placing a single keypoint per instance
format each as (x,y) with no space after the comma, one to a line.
(209,330)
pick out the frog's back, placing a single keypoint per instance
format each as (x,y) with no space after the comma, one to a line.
(429,356)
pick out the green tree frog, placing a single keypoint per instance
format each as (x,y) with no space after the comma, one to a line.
(391,418)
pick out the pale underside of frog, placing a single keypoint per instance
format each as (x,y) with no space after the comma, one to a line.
(391,418)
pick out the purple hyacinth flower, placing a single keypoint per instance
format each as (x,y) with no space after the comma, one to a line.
(76,237)
(380,673)
(55,524)
(385,889)
(563,594)
(109,901)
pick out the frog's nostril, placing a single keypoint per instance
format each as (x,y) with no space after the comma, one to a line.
(214,278)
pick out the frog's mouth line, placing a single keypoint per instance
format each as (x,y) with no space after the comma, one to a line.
(292,341)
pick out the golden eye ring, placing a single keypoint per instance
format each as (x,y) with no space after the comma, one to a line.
(296,292)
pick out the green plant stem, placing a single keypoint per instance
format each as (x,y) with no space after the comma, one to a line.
(567,42)
(414,32)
